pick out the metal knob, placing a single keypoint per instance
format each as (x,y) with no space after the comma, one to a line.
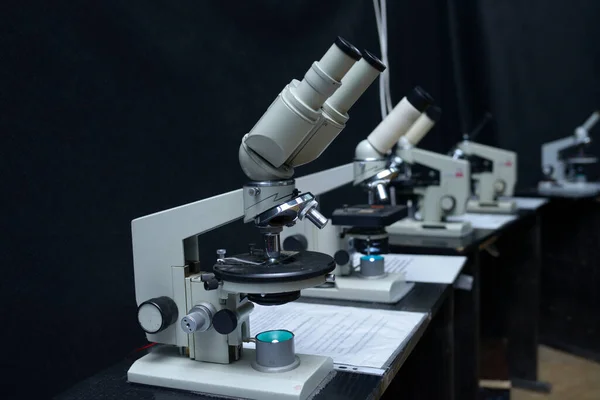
(221,253)
(199,319)
(254,191)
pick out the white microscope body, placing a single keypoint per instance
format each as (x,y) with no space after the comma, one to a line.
(495,175)
(202,317)
(562,177)
(364,278)
(446,196)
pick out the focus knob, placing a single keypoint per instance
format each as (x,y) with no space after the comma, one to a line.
(225,321)
(295,243)
(341,257)
(447,203)
(155,315)
(199,319)
(499,186)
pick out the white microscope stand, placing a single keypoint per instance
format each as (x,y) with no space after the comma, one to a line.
(504,173)
(561,186)
(389,289)
(453,183)
(168,238)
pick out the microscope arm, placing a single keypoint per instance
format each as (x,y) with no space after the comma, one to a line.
(164,241)
(504,170)
(551,156)
(551,163)
(454,183)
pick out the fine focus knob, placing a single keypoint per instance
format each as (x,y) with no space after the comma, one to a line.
(296,242)
(447,203)
(225,321)
(199,319)
(155,315)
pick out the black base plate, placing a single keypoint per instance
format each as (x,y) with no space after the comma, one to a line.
(365,215)
(292,267)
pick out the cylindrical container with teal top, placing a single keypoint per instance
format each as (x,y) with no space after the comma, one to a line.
(372,266)
(275,351)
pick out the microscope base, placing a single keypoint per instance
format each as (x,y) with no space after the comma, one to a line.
(436,229)
(496,207)
(165,367)
(389,289)
(569,189)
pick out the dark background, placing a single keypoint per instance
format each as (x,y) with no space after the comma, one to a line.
(112,110)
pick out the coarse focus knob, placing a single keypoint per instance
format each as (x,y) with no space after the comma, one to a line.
(296,242)
(447,203)
(499,186)
(199,319)
(155,315)
(341,257)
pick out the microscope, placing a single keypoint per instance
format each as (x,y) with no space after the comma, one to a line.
(360,229)
(493,174)
(440,182)
(564,163)
(200,315)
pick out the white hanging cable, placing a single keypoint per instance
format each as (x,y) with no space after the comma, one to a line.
(385,100)
(388,92)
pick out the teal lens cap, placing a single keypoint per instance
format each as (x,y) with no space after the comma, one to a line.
(275,336)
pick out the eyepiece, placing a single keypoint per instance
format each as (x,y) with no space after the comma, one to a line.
(419,98)
(434,113)
(374,61)
(347,48)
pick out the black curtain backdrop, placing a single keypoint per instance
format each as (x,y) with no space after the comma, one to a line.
(541,66)
(113,110)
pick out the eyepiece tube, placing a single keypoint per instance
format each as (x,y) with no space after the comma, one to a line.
(355,82)
(324,76)
(335,109)
(422,126)
(397,123)
(294,117)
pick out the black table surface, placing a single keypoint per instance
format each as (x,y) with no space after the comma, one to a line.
(426,298)
(454,246)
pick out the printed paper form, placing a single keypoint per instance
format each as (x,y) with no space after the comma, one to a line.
(526,203)
(349,335)
(484,221)
(421,268)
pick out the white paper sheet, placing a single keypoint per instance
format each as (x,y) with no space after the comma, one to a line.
(351,336)
(484,221)
(422,268)
(527,203)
